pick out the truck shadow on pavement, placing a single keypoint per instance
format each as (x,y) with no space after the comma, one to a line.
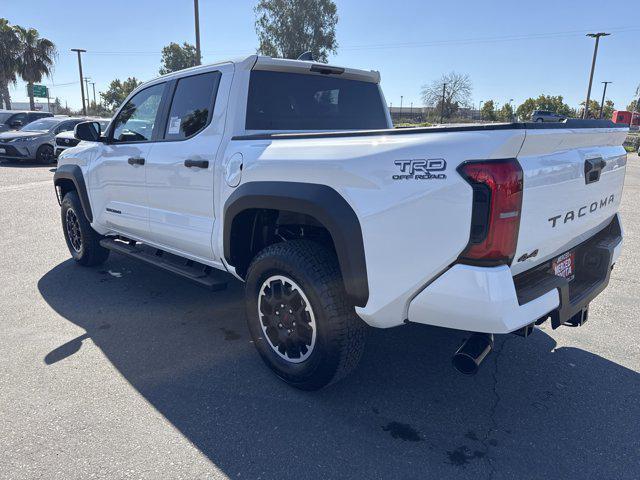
(533,411)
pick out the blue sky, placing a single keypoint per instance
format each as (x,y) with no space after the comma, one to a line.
(509,49)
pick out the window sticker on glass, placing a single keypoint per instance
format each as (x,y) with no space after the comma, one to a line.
(174,125)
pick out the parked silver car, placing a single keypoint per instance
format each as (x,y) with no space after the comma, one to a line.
(36,140)
(546,116)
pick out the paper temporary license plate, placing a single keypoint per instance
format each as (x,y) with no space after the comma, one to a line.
(565,265)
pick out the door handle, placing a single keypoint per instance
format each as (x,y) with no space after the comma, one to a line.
(135,161)
(196,163)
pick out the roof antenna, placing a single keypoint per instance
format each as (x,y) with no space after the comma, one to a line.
(306,56)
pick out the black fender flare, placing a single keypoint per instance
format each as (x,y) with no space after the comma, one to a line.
(74,174)
(320,202)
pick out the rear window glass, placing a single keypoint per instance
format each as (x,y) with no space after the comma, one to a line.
(293,101)
(191,105)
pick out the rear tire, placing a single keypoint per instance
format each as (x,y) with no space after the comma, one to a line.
(299,316)
(539,120)
(82,240)
(45,155)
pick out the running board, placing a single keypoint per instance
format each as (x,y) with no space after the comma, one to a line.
(204,275)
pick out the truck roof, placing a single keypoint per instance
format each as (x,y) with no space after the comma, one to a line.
(259,62)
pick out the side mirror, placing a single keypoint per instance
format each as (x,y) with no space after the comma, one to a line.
(89,131)
(17,124)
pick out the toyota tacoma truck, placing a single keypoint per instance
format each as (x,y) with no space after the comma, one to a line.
(289,176)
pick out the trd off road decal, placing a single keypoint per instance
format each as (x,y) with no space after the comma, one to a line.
(421,169)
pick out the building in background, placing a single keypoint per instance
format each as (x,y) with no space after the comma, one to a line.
(41,107)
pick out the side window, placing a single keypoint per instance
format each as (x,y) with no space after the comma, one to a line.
(66,126)
(19,117)
(192,105)
(136,120)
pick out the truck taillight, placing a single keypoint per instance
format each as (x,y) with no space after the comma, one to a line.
(495,219)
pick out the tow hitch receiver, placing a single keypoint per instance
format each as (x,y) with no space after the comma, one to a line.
(579,318)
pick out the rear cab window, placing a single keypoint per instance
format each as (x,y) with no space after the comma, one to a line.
(192,105)
(297,101)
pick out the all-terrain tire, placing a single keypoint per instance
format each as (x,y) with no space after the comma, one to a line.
(82,240)
(340,333)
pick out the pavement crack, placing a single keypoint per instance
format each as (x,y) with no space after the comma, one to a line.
(487,441)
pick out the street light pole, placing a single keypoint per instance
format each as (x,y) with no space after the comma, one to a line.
(604,92)
(593,67)
(401,107)
(444,89)
(197,21)
(480,109)
(79,51)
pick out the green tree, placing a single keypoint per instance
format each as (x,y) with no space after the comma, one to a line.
(506,113)
(176,57)
(544,102)
(288,28)
(118,91)
(607,111)
(488,111)
(36,58)
(632,106)
(9,50)
(457,93)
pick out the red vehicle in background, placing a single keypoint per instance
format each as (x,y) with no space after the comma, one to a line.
(622,116)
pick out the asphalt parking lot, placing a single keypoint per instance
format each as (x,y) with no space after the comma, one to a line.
(126,372)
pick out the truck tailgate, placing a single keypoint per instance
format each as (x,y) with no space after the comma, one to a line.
(573,181)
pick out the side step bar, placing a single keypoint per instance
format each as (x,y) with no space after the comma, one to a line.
(203,275)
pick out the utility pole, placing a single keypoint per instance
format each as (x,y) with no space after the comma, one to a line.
(480,109)
(401,107)
(604,92)
(79,51)
(197,20)
(593,67)
(93,84)
(444,89)
(86,82)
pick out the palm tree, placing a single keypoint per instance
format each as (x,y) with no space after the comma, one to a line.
(9,47)
(36,58)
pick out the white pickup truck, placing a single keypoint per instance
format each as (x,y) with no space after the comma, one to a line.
(289,176)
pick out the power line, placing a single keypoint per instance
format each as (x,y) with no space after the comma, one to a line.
(431,43)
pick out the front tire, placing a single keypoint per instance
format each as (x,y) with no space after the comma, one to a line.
(82,240)
(299,316)
(45,155)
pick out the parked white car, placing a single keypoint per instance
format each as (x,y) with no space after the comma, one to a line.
(289,176)
(68,139)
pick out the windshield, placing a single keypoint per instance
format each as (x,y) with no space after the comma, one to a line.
(293,101)
(4,117)
(40,125)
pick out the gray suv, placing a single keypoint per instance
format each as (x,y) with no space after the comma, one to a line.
(15,119)
(546,116)
(36,140)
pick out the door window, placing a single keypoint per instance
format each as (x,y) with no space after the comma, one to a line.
(67,126)
(192,105)
(136,120)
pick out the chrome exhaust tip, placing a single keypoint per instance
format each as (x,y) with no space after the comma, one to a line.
(472,352)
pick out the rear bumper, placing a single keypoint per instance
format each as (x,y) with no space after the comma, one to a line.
(491,300)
